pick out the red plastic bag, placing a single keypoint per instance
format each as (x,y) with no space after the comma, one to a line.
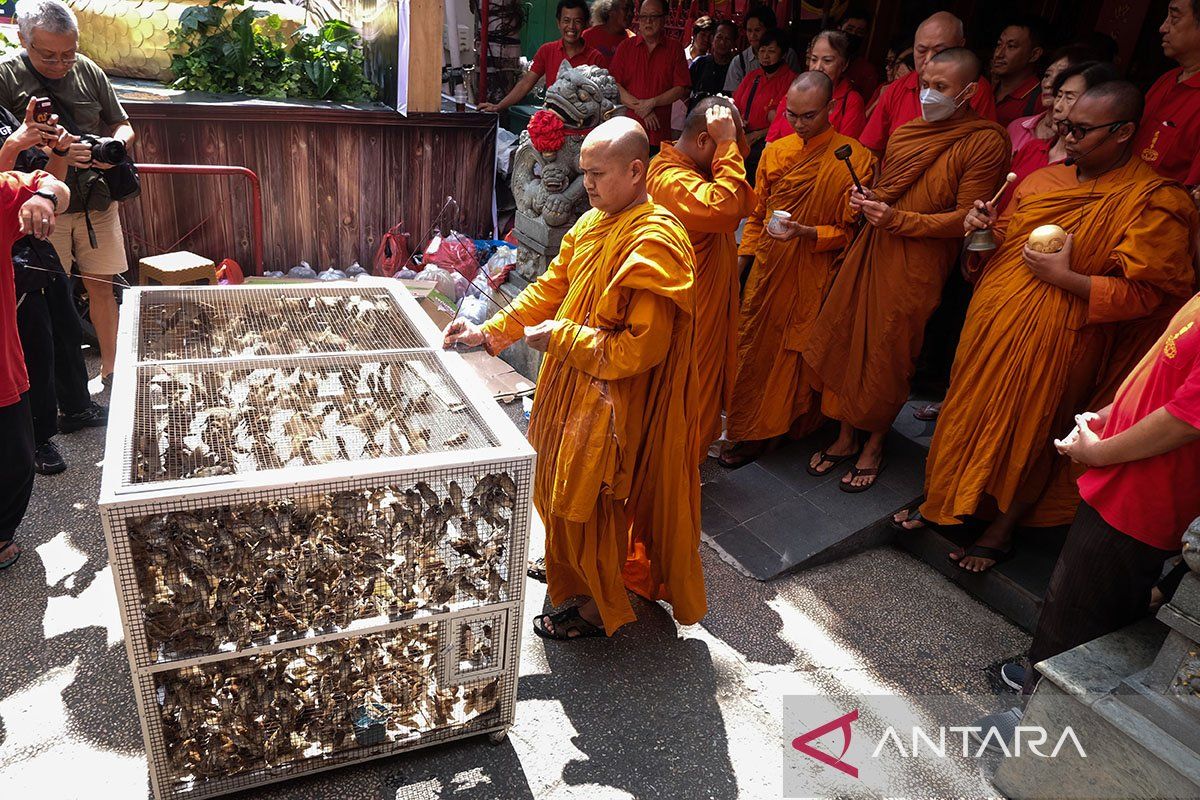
(393,254)
(230,271)
(454,252)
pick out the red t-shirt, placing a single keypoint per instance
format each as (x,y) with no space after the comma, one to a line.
(901,103)
(1032,156)
(17,187)
(848,117)
(1024,101)
(768,92)
(549,58)
(597,37)
(1155,499)
(1169,136)
(647,73)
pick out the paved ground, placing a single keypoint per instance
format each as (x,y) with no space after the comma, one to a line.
(655,712)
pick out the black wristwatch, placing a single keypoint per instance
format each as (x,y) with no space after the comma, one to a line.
(51,196)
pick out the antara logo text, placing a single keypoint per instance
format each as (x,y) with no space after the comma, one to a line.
(953,740)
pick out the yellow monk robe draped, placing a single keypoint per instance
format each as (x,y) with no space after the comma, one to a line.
(789,280)
(864,343)
(1033,355)
(711,209)
(614,418)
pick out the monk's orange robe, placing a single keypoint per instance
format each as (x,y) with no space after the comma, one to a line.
(864,343)
(614,418)
(1033,355)
(789,280)
(711,207)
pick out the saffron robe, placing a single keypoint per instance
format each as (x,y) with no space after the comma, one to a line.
(864,343)
(710,208)
(1033,355)
(789,280)
(614,418)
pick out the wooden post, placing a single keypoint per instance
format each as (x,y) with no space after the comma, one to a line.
(425,24)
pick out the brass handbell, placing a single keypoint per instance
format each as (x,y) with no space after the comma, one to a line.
(982,241)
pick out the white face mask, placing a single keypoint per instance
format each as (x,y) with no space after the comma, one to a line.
(936,107)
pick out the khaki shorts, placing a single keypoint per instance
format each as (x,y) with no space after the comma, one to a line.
(70,240)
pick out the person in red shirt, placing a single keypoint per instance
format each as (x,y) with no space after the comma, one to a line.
(571,49)
(1169,136)
(1139,495)
(28,205)
(1014,69)
(651,73)
(830,53)
(864,75)
(763,89)
(608,27)
(902,101)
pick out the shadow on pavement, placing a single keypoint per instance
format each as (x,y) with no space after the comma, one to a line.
(643,704)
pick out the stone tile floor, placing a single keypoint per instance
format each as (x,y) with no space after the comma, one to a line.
(657,711)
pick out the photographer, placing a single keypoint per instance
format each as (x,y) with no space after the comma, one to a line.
(89,232)
(27,207)
(48,324)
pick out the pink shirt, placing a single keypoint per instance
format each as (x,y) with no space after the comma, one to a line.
(1021,131)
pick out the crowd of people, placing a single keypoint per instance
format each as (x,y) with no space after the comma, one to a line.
(1074,397)
(57,212)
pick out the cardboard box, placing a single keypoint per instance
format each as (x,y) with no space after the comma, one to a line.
(504,382)
(441,309)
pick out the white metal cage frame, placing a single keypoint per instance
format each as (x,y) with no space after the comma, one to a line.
(427,543)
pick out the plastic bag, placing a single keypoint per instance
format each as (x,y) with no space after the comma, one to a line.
(393,253)
(499,265)
(453,252)
(443,281)
(506,145)
(474,309)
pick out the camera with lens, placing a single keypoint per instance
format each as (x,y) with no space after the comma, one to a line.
(105,148)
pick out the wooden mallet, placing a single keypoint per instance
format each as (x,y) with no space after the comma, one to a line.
(843,154)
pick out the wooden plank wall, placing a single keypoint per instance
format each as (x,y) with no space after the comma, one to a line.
(333,180)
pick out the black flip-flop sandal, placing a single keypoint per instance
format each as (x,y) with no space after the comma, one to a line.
(833,460)
(928,412)
(15,553)
(568,625)
(911,514)
(537,569)
(997,555)
(867,472)
(742,453)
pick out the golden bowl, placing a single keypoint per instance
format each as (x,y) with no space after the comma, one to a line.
(1047,239)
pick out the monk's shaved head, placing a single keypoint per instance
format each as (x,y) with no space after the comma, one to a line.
(939,32)
(613,159)
(1121,99)
(967,66)
(695,122)
(813,81)
(943,23)
(621,139)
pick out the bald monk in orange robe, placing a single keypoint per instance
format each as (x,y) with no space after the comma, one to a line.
(790,271)
(701,179)
(864,343)
(1044,333)
(614,420)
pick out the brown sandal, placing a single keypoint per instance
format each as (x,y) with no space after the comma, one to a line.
(868,472)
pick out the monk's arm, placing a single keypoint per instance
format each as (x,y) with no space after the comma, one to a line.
(979,182)
(711,206)
(1153,261)
(753,229)
(615,354)
(837,236)
(537,303)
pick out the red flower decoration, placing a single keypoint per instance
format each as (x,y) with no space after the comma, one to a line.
(546,131)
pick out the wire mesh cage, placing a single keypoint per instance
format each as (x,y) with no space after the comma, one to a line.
(227,322)
(229,725)
(247,568)
(202,419)
(318,556)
